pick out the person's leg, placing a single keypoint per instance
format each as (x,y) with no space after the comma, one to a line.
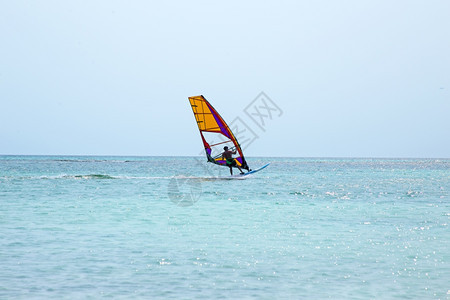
(236,165)
(240,169)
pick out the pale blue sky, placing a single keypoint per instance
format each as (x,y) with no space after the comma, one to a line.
(353,78)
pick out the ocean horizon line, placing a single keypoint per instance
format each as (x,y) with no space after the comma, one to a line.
(252,156)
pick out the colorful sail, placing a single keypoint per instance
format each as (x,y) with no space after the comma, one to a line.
(215,133)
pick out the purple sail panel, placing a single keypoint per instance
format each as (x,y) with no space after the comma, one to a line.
(223,127)
(221,161)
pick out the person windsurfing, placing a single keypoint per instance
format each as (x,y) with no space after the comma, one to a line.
(228,156)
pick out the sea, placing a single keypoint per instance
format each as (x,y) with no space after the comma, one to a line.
(92,227)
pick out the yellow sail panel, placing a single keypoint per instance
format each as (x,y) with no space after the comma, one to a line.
(207,122)
(203,115)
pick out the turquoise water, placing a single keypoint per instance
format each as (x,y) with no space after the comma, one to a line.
(167,227)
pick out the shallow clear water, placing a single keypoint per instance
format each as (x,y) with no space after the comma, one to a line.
(167,227)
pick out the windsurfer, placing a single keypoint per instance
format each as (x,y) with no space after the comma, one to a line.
(231,162)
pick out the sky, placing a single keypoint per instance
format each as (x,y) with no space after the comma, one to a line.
(338,78)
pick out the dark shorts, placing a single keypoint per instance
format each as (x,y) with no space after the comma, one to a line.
(231,162)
